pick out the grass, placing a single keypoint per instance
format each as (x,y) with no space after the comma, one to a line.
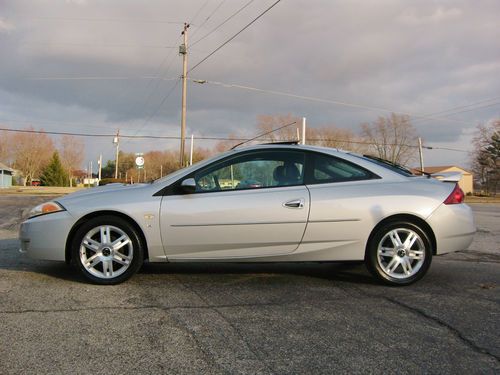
(38,190)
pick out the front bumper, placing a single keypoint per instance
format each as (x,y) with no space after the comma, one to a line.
(44,237)
(453,226)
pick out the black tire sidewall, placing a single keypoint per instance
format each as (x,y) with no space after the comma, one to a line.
(138,252)
(371,255)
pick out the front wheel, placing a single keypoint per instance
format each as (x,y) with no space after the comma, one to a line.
(399,253)
(107,250)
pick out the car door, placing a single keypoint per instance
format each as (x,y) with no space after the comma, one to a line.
(343,210)
(249,205)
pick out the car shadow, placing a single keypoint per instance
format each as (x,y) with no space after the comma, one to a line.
(350,272)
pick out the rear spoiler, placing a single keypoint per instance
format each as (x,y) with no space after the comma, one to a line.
(448,176)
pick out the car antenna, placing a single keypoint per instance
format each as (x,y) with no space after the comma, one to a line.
(261,135)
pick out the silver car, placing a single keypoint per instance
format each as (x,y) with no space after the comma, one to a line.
(278,203)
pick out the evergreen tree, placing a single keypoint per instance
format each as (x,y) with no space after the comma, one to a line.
(54,173)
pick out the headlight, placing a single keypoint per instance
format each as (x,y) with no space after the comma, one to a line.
(45,208)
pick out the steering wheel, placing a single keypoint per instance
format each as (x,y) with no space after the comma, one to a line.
(216,182)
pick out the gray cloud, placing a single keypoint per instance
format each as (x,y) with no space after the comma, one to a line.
(417,58)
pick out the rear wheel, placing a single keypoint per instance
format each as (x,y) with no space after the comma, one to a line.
(107,250)
(399,253)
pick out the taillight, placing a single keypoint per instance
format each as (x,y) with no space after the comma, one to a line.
(456,196)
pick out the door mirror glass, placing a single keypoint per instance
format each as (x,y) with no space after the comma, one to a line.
(188,185)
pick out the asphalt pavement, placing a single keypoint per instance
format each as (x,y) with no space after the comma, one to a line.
(250,319)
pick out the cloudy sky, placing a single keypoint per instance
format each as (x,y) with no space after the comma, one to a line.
(92,66)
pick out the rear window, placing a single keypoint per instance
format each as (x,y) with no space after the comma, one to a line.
(394,168)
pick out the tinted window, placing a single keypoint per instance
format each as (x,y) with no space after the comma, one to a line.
(387,164)
(327,169)
(252,171)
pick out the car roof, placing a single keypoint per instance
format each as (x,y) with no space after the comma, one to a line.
(291,146)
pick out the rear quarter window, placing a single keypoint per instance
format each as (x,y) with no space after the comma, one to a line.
(326,169)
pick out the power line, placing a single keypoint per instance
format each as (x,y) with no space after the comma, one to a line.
(198,12)
(213,138)
(208,18)
(159,106)
(452,111)
(222,23)
(96,78)
(329,101)
(234,36)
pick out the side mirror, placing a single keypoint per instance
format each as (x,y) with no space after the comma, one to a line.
(188,185)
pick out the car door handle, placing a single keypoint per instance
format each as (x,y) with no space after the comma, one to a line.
(296,203)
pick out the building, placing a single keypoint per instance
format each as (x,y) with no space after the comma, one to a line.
(465,182)
(5,176)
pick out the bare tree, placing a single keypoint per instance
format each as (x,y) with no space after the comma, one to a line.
(267,123)
(71,151)
(486,155)
(392,138)
(4,144)
(30,153)
(225,145)
(335,137)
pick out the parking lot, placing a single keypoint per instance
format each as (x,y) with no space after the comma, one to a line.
(250,318)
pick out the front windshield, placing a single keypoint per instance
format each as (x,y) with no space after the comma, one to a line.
(186,170)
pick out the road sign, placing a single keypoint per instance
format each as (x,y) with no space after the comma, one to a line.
(139,160)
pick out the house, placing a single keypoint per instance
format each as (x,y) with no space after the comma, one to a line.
(465,182)
(5,176)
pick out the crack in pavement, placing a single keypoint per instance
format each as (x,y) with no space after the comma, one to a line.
(454,331)
(471,344)
(160,307)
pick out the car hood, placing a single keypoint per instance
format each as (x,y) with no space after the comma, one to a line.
(90,192)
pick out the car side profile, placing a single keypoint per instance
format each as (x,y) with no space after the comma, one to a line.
(264,203)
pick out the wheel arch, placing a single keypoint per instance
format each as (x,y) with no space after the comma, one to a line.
(94,214)
(411,219)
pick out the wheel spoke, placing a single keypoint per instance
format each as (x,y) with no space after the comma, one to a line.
(93,261)
(107,267)
(90,244)
(394,236)
(405,263)
(123,261)
(393,264)
(386,251)
(410,240)
(105,237)
(118,244)
(416,254)
(122,256)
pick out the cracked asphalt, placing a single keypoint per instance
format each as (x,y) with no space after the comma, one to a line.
(250,319)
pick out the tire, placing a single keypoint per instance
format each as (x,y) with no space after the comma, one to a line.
(399,253)
(107,250)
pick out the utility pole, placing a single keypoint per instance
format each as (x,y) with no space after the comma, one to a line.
(421,154)
(191,152)
(116,142)
(303,130)
(183,51)
(100,166)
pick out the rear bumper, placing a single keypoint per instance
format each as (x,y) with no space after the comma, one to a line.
(453,227)
(44,237)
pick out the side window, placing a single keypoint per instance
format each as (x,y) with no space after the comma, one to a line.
(330,169)
(251,171)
